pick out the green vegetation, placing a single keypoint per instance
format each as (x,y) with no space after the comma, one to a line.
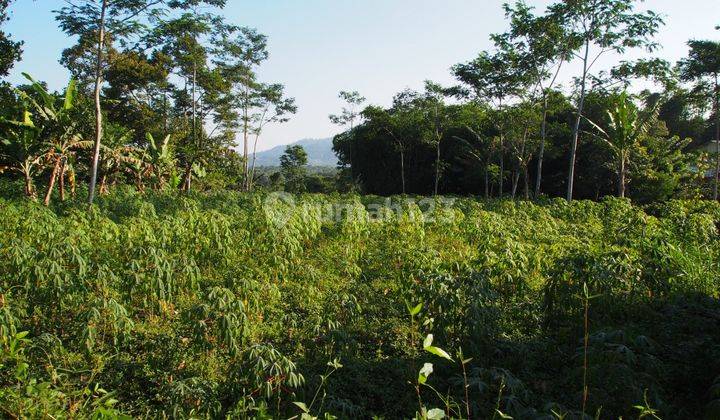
(148,268)
(233,305)
(180,72)
(509,127)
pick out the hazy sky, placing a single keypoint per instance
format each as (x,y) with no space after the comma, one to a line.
(378,47)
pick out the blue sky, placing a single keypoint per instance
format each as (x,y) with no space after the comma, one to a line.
(378,47)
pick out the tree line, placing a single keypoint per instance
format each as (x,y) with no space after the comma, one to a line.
(162,94)
(508,128)
(166,94)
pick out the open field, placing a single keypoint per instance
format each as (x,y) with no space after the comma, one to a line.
(229,304)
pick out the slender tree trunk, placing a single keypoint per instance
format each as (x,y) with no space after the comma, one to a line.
(246,134)
(515,181)
(526,183)
(103,184)
(502,166)
(437,167)
(194,124)
(487,181)
(621,177)
(576,128)
(165,109)
(187,178)
(194,104)
(98,108)
(717,138)
(521,166)
(402,169)
(51,184)
(541,152)
(201,125)
(62,180)
(543,128)
(71,180)
(29,192)
(252,167)
(139,182)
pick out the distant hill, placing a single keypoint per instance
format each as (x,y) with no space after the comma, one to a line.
(319,153)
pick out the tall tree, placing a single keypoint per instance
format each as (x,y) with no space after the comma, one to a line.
(191,41)
(703,67)
(276,109)
(292,164)
(436,122)
(104,20)
(90,16)
(521,143)
(350,112)
(597,27)
(10,51)
(401,123)
(492,79)
(255,104)
(543,47)
(480,142)
(347,117)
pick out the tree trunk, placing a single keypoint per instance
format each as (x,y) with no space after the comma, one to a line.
(194,121)
(350,153)
(576,128)
(29,192)
(502,167)
(246,133)
(515,181)
(98,109)
(103,184)
(717,138)
(71,179)
(543,128)
(437,167)
(526,183)
(165,110)
(487,181)
(402,170)
(51,184)
(61,174)
(252,167)
(522,167)
(187,178)
(139,182)
(541,152)
(621,180)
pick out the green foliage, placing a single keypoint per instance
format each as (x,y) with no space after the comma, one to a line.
(293,163)
(10,50)
(214,305)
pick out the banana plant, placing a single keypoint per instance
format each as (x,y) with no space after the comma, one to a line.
(58,129)
(22,149)
(626,127)
(199,171)
(138,168)
(161,160)
(115,154)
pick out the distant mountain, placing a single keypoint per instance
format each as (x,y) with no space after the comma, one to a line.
(319,153)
